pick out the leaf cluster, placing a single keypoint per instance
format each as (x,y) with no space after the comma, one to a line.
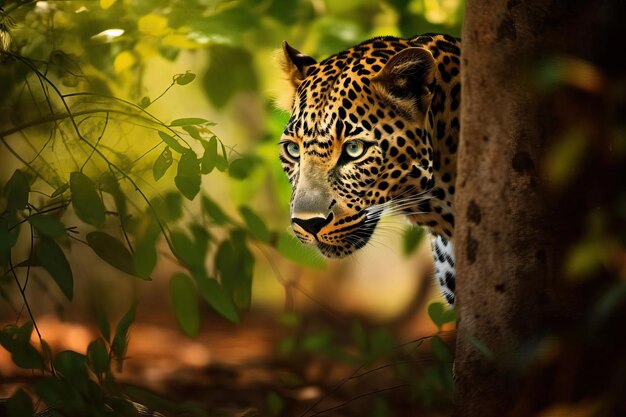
(377,357)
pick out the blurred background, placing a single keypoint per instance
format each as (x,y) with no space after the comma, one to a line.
(141,184)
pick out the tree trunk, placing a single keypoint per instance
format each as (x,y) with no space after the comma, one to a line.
(539,238)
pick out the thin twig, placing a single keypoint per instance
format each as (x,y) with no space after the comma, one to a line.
(358,397)
(30,313)
(30,257)
(287,283)
(24,220)
(104,128)
(19,157)
(57,117)
(163,93)
(162,226)
(357,371)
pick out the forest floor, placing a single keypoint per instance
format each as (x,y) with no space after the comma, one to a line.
(237,370)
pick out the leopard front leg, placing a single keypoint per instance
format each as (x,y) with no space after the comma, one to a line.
(445,273)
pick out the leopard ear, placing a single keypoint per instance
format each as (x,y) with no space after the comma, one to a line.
(294,65)
(406,82)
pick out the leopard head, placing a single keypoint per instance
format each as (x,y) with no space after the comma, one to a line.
(356,140)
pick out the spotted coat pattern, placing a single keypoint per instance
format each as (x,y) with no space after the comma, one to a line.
(373,132)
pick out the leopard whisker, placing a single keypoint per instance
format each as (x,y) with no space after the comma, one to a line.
(406,202)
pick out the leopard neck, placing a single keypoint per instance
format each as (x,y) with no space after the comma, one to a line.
(442,128)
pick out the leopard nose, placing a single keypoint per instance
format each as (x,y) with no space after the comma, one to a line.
(313,224)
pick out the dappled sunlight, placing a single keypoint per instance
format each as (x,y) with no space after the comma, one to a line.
(144,220)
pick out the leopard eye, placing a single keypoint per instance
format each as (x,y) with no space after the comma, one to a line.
(354,149)
(293,149)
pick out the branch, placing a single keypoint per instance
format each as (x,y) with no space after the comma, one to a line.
(57,117)
(71,116)
(358,397)
(104,128)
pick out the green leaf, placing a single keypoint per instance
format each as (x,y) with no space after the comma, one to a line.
(120,340)
(172,143)
(201,238)
(188,121)
(162,163)
(188,177)
(214,211)
(441,349)
(30,262)
(63,188)
(184,79)
(145,102)
(607,303)
(441,315)
(235,266)
(292,249)
(241,168)
(86,200)
(16,340)
(98,356)
(275,403)
(72,365)
(109,184)
(189,186)
(185,303)
(255,224)
(226,265)
(8,238)
(174,203)
(435,312)
(188,164)
(289,319)
(53,391)
(231,69)
(103,325)
(210,155)
(20,405)
(227,24)
(411,239)
(16,191)
(283,11)
(221,162)
(185,250)
(167,208)
(585,257)
(45,349)
(318,342)
(111,250)
(53,260)
(144,258)
(48,226)
(146,237)
(450,316)
(156,402)
(562,160)
(193,132)
(217,298)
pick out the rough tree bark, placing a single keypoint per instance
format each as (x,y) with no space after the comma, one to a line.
(536,74)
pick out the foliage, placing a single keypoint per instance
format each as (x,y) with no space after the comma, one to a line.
(87,160)
(422,366)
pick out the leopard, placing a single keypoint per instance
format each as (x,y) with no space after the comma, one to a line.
(373,131)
